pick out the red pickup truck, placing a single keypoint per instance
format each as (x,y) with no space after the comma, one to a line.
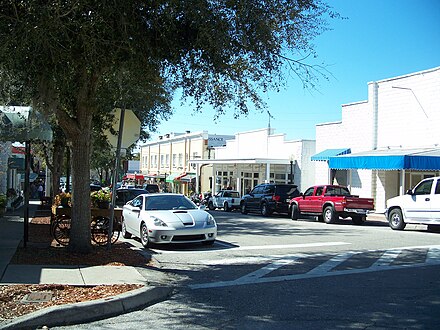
(329,202)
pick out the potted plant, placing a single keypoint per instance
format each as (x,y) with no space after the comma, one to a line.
(101,198)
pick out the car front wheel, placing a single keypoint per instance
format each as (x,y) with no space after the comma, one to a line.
(226,207)
(211,206)
(395,219)
(144,236)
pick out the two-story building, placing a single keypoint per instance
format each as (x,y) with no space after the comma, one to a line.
(167,160)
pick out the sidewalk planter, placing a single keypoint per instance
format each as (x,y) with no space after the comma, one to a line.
(101,199)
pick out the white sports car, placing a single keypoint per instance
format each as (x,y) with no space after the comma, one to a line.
(167,218)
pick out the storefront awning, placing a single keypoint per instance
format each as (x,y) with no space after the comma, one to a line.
(133,176)
(172,177)
(327,153)
(423,159)
(187,177)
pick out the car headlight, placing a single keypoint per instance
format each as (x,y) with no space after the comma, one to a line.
(158,222)
(210,220)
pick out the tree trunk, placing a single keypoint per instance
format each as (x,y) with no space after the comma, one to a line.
(80,231)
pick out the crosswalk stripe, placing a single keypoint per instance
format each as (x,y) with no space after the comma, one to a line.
(265,270)
(384,263)
(433,255)
(331,263)
(387,258)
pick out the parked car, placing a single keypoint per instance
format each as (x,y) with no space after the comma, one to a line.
(151,187)
(124,195)
(419,205)
(329,202)
(267,198)
(167,218)
(225,199)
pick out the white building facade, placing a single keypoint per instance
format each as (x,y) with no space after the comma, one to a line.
(399,122)
(259,156)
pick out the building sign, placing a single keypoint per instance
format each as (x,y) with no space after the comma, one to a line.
(218,140)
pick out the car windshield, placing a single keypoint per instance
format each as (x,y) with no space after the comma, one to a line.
(169,202)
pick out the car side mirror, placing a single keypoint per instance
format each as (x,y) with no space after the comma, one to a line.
(409,192)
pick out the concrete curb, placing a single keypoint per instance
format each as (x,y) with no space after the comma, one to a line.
(93,310)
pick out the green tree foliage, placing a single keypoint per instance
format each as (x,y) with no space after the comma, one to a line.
(77,60)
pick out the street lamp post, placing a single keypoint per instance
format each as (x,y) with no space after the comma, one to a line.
(291,171)
(292,174)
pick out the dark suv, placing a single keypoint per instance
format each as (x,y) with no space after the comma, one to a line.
(151,188)
(267,198)
(123,195)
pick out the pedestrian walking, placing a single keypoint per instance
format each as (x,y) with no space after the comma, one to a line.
(40,191)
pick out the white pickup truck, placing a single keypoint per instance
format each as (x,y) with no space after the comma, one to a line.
(420,205)
(226,199)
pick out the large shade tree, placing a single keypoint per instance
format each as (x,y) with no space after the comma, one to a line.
(77,60)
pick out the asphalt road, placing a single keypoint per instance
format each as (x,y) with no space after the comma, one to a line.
(275,273)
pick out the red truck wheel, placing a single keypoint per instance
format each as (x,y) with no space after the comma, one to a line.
(329,215)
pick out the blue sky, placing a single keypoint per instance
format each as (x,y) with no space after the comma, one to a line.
(379,39)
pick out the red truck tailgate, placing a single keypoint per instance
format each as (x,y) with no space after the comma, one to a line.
(359,203)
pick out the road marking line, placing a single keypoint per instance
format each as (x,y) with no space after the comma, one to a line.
(331,263)
(386,258)
(383,264)
(249,278)
(433,255)
(305,276)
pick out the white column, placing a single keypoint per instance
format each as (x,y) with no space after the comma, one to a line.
(267,173)
(402,182)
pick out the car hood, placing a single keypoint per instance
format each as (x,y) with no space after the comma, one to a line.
(185,217)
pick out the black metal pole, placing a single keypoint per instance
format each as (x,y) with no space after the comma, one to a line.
(291,171)
(68,169)
(27,161)
(115,178)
